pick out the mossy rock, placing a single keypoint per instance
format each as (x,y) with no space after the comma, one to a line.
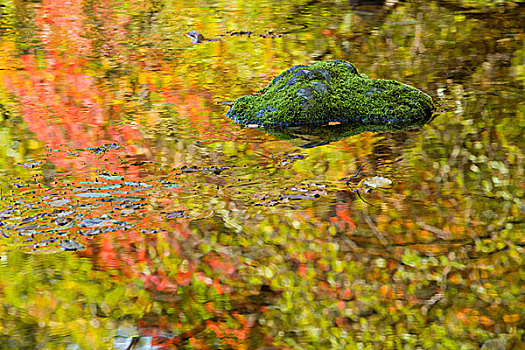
(332,91)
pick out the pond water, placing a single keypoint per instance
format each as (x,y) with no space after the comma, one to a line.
(135,215)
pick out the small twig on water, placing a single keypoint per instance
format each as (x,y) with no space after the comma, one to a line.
(358,172)
(359,195)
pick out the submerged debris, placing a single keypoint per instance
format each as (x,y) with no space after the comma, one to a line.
(197,37)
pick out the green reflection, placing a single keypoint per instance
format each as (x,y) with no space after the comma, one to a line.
(312,136)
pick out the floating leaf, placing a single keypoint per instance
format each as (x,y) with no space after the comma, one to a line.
(377,182)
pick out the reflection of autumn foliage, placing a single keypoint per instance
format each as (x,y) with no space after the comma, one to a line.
(436,256)
(60,99)
(68,105)
(61,107)
(61,28)
(197,286)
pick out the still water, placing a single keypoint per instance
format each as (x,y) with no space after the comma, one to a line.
(135,215)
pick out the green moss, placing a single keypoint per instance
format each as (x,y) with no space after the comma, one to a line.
(332,91)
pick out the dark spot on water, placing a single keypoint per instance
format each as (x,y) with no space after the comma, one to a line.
(95,222)
(189,169)
(122,199)
(63,221)
(31,164)
(295,156)
(212,170)
(32,227)
(5,213)
(112,146)
(131,205)
(169,184)
(299,196)
(175,214)
(91,232)
(70,245)
(29,219)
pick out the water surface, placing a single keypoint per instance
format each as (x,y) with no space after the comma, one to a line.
(135,215)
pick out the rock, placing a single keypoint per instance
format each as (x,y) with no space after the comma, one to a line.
(261,112)
(332,91)
(195,36)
